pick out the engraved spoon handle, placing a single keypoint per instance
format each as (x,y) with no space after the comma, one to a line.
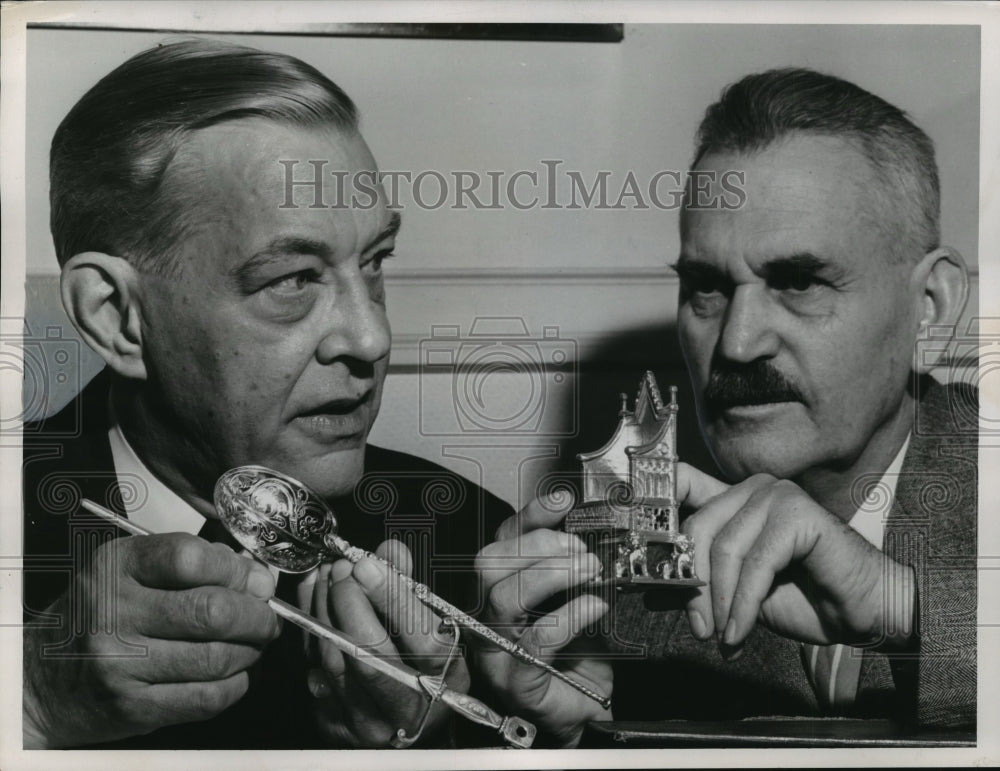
(517,732)
(340,547)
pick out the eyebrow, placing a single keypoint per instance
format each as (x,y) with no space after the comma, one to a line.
(278,249)
(794,264)
(696,270)
(391,229)
(803,262)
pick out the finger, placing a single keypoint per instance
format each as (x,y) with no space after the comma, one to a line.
(731,548)
(306,591)
(319,684)
(702,527)
(417,630)
(546,511)
(529,686)
(696,488)
(554,631)
(170,703)
(173,661)
(205,613)
(502,559)
(771,553)
(395,552)
(413,625)
(512,599)
(351,610)
(182,561)
(331,657)
(789,534)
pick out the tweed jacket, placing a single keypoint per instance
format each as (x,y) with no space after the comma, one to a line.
(663,672)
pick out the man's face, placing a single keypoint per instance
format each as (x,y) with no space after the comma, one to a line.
(797,330)
(272,344)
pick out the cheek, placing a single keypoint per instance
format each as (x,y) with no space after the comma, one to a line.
(256,378)
(697,343)
(863,366)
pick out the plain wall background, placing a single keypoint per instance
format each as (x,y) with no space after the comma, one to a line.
(496,105)
(597,278)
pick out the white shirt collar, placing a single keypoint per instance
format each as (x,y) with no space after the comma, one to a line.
(870,518)
(160,509)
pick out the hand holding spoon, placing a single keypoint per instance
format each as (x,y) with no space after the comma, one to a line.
(286,525)
(515,731)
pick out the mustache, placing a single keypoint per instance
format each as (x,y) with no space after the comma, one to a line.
(747,384)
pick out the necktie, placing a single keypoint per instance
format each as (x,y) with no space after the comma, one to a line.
(833,672)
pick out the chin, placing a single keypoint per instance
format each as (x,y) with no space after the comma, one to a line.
(333,475)
(739,458)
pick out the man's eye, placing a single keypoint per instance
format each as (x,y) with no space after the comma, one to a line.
(703,297)
(798,282)
(292,284)
(374,265)
(702,287)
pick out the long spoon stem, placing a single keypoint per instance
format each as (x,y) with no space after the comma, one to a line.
(514,730)
(340,547)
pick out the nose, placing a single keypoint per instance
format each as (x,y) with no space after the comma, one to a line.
(357,326)
(747,327)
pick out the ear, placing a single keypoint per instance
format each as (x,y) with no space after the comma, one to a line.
(943,280)
(100,294)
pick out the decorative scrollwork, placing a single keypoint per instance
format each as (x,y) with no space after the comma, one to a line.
(276,517)
(59,494)
(939,494)
(619,496)
(870,493)
(555,493)
(443,495)
(376,495)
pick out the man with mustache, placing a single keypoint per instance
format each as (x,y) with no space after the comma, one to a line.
(241,323)
(840,563)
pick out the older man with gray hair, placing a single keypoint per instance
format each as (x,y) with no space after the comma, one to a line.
(238,327)
(840,560)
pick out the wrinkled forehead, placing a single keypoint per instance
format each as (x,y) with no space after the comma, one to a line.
(244,182)
(802,193)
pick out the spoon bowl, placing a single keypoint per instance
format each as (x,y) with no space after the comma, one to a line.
(286,525)
(275,517)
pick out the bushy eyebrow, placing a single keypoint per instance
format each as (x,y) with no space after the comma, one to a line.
(795,264)
(391,229)
(696,271)
(800,264)
(278,250)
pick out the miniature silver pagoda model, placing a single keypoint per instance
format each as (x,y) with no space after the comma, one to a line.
(628,514)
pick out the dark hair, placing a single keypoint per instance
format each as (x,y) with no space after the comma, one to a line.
(111,152)
(763,108)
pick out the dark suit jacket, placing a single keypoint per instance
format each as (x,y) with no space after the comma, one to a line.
(442,517)
(931,527)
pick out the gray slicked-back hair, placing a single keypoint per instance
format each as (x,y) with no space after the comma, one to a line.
(763,108)
(110,154)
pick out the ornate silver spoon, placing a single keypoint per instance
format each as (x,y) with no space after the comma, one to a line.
(515,731)
(285,524)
